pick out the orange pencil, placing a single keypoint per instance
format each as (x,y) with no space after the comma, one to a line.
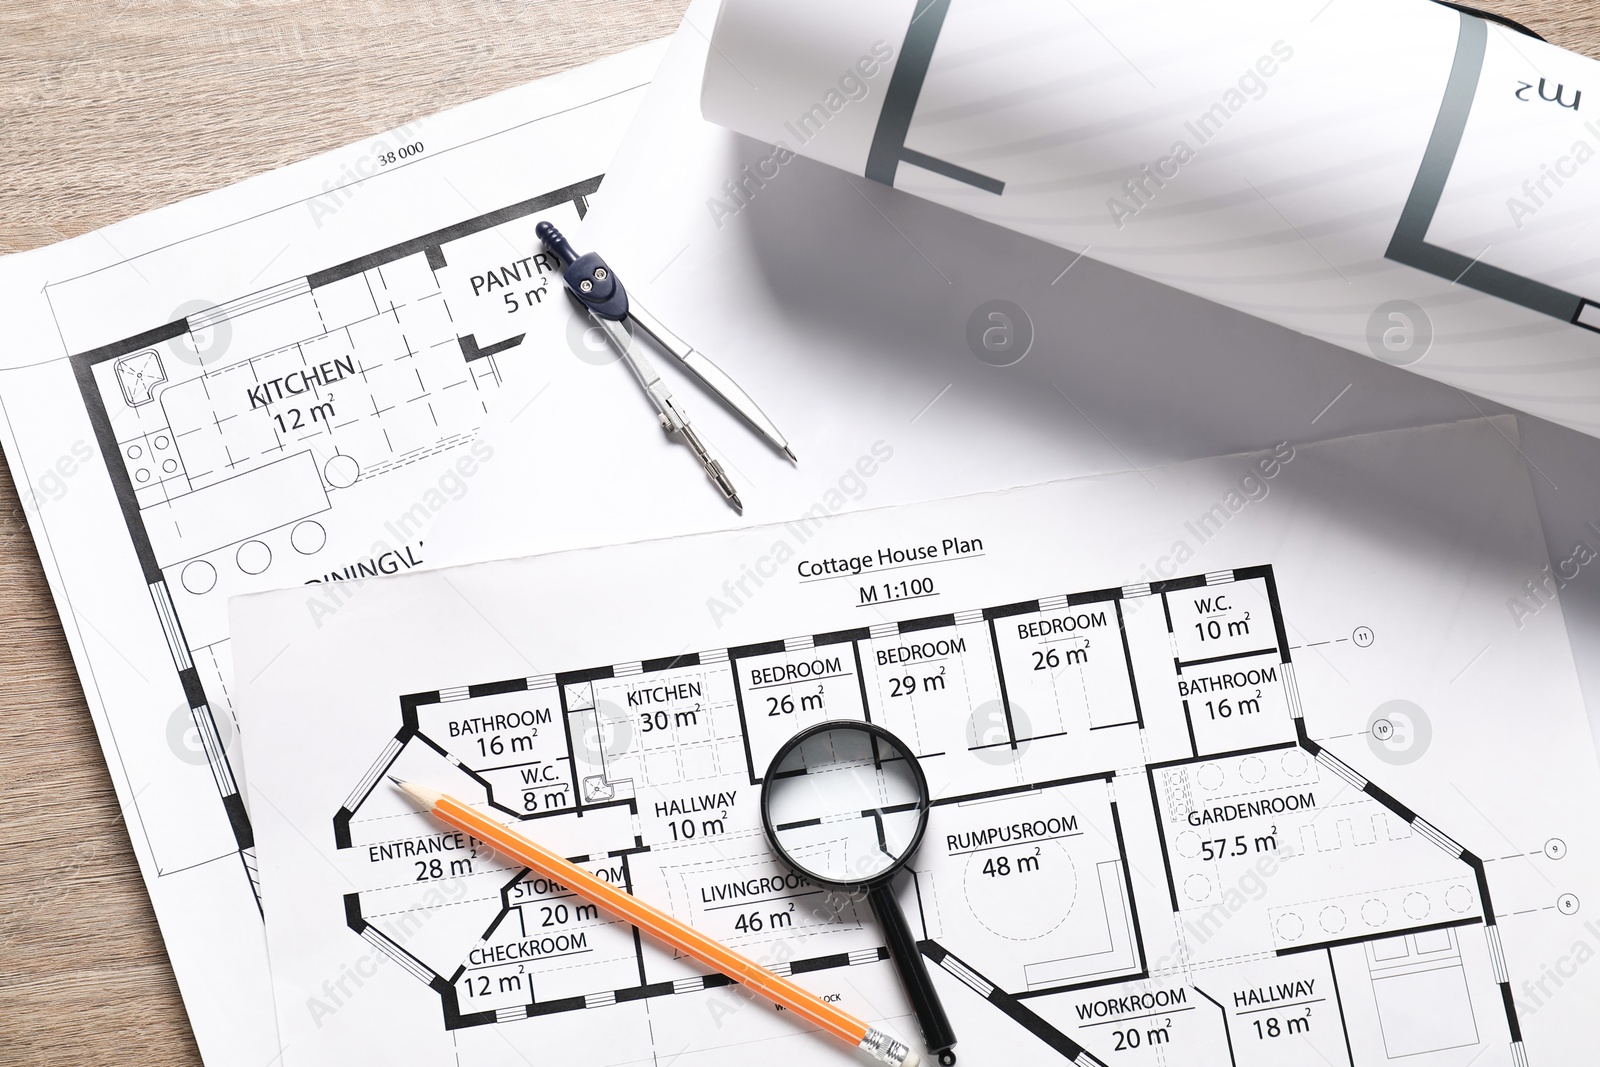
(662,927)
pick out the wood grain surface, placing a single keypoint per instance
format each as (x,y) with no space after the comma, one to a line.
(109,110)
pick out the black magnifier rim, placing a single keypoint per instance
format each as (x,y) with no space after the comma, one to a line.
(888,739)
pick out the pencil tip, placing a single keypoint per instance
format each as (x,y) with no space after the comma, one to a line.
(737,504)
(420,793)
(790,453)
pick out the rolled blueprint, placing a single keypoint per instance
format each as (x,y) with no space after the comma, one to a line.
(1392,176)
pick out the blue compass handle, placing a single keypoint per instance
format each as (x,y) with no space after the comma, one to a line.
(588,277)
(556,242)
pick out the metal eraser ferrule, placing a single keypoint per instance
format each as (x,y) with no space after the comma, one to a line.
(884,1048)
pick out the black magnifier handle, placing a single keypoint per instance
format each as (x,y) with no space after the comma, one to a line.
(936,1032)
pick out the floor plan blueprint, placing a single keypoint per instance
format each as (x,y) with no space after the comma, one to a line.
(230,471)
(1374,935)
(279,384)
(1187,818)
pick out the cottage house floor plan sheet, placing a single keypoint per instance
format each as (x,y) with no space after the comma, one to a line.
(1241,762)
(277,384)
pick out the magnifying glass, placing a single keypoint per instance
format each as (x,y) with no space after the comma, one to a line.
(845,804)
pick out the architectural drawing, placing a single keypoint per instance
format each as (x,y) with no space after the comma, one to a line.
(271,462)
(1113,770)
(276,384)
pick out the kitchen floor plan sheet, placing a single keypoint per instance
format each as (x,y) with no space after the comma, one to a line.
(277,384)
(1241,762)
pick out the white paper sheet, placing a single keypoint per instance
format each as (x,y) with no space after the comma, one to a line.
(1398,178)
(1333,705)
(847,309)
(271,385)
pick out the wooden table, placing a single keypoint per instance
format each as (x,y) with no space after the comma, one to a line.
(113,109)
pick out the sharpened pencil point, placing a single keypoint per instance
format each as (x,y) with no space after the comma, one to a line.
(790,453)
(737,504)
(420,793)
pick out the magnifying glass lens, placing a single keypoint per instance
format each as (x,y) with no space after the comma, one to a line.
(845,805)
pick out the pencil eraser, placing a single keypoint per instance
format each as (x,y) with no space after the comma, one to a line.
(911,1060)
